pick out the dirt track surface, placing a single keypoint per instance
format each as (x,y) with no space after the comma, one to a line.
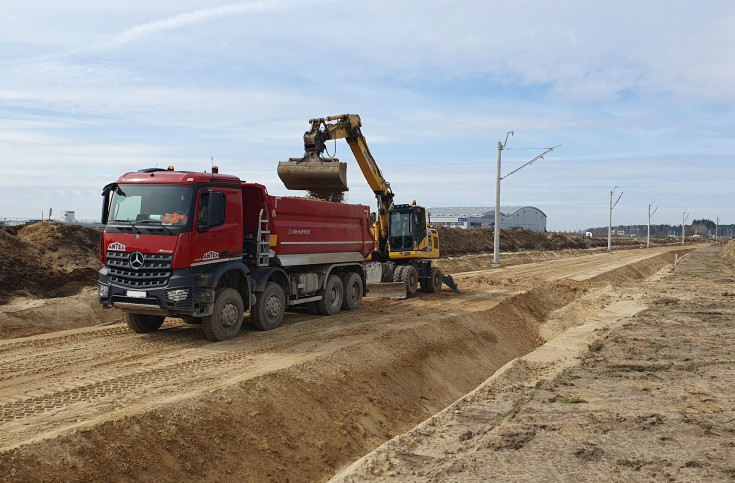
(624,397)
(298,403)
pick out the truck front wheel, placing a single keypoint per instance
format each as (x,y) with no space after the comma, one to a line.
(267,312)
(142,323)
(226,318)
(331,303)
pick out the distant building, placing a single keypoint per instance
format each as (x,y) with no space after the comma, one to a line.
(511,217)
(69,217)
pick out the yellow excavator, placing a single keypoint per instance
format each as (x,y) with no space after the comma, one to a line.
(405,242)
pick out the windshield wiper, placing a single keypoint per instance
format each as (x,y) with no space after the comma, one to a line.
(129,222)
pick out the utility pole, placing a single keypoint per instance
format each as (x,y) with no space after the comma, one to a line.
(496,228)
(684,216)
(717,227)
(648,237)
(609,225)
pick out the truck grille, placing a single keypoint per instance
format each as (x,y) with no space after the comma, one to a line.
(155,271)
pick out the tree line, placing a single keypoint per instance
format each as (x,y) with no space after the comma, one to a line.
(704,228)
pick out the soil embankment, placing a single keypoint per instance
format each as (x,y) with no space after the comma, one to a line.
(642,391)
(297,403)
(47,259)
(48,273)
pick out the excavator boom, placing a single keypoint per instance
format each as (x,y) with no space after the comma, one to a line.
(327,177)
(313,171)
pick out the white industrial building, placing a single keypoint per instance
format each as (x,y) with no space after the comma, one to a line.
(70,217)
(511,217)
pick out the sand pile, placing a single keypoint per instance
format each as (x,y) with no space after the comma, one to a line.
(728,252)
(47,259)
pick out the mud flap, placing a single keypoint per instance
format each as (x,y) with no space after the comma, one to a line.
(449,282)
(391,290)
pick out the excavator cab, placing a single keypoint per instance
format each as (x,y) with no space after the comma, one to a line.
(409,237)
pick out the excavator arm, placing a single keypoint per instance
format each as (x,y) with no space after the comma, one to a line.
(327,176)
(405,243)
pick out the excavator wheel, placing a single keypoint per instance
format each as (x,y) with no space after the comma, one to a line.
(410,276)
(433,284)
(397,273)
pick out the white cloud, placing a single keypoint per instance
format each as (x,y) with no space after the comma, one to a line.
(631,90)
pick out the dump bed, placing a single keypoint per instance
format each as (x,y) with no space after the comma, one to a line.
(306,231)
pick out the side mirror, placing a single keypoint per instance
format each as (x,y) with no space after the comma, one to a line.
(106,198)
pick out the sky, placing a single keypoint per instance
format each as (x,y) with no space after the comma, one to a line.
(639,97)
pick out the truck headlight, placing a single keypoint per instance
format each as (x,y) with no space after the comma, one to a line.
(103,290)
(178,295)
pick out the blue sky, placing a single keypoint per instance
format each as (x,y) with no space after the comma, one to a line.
(640,95)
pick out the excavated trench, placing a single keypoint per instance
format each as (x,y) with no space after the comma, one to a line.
(308,420)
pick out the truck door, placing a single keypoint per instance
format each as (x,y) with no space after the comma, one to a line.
(212,241)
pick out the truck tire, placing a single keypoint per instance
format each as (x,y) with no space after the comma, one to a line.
(411,277)
(268,310)
(351,291)
(227,314)
(433,284)
(331,303)
(143,323)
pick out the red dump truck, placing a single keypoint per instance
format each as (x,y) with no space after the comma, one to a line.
(207,247)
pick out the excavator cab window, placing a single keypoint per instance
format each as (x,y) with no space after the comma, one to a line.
(419,216)
(400,230)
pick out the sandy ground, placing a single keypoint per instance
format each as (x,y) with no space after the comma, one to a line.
(642,391)
(303,402)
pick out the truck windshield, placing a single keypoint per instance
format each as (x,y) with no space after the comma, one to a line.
(155,204)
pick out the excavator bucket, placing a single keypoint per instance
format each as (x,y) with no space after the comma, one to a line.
(314,173)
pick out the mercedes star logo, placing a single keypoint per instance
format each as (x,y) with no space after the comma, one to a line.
(136,260)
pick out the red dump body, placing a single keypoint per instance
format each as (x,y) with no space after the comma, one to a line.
(306,231)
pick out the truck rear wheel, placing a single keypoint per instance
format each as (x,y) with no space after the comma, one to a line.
(434,283)
(351,291)
(227,314)
(411,277)
(331,303)
(268,310)
(142,323)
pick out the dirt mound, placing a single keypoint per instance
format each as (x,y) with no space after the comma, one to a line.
(50,259)
(728,252)
(47,259)
(458,241)
(105,404)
